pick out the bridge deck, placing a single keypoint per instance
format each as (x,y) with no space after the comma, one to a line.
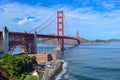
(41,35)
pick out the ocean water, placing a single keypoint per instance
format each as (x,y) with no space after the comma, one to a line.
(91,62)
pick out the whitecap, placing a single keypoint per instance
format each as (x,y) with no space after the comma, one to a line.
(65,65)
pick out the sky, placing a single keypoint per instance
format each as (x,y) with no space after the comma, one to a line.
(94,19)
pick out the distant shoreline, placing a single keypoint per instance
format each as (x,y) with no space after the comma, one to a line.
(82,41)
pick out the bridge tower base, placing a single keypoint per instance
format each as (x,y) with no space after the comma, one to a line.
(5,34)
(35,42)
(78,37)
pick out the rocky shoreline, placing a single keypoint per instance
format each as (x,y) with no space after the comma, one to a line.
(57,71)
(51,72)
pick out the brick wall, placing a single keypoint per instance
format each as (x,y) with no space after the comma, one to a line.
(44,57)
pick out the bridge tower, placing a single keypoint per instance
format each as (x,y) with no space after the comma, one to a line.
(35,42)
(60,30)
(5,34)
(78,37)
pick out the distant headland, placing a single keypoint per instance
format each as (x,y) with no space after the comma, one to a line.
(82,41)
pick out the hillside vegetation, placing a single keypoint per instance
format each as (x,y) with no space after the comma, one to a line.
(15,67)
(70,41)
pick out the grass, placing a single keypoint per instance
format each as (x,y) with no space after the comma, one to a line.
(30,77)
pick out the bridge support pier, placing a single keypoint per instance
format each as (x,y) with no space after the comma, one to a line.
(60,44)
(5,34)
(35,42)
(78,37)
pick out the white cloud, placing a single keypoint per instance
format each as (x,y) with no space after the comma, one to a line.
(25,20)
(114,32)
(108,5)
(15,10)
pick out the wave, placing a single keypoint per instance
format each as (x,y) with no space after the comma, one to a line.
(82,77)
(106,69)
(63,72)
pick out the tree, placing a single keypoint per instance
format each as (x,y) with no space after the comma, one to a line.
(17,65)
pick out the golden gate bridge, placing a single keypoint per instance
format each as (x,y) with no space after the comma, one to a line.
(28,41)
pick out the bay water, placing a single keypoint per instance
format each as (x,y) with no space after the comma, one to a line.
(88,61)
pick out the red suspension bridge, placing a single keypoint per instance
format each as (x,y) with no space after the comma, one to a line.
(28,41)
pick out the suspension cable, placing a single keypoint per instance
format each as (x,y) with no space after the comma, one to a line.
(67,26)
(43,23)
(47,25)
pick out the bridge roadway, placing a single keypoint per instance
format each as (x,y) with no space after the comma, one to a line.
(41,35)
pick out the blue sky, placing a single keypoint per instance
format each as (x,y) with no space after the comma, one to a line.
(94,19)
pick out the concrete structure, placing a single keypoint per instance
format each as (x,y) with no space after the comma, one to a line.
(1,43)
(5,39)
(44,57)
(35,42)
(10,40)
